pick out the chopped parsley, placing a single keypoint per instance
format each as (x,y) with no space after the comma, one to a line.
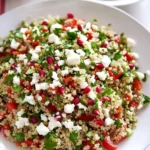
(73,136)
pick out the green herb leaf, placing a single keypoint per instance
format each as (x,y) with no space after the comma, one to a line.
(57,31)
(5,59)
(127,73)
(73,136)
(101,137)
(145,78)
(117,56)
(72,35)
(49,143)
(102,36)
(87,52)
(19,35)
(83,65)
(118,123)
(107,91)
(20,137)
(9,80)
(106,103)
(78,147)
(146,99)
(17,88)
(94,45)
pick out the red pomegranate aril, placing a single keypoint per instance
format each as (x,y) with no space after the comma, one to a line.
(57,67)
(9,90)
(100,65)
(86,90)
(33,120)
(50,60)
(70,16)
(42,73)
(80,42)
(99,122)
(89,35)
(106,98)
(45,23)
(61,90)
(96,112)
(31,63)
(98,90)
(14,65)
(79,27)
(58,118)
(131,66)
(104,46)
(90,102)
(128,57)
(76,101)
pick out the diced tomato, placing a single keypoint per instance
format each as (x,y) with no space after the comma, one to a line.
(122,139)
(11,105)
(112,73)
(119,108)
(127,97)
(51,108)
(44,29)
(15,52)
(36,43)
(9,90)
(68,80)
(118,115)
(99,122)
(43,98)
(88,143)
(37,66)
(29,87)
(29,142)
(30,39)
(7,126)
(19,144)
(89,35)
(108,144)
(86,117)
(137,85)
(72,23)
(128,57)
(2,115)
(28,32)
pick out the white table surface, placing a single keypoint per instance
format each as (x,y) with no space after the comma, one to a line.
(140,10)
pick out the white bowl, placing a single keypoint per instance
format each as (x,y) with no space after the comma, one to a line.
(121,22)
(118,2)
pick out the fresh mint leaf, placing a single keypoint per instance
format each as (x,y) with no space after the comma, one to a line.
(73,136)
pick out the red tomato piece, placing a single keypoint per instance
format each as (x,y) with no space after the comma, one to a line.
(89,35)
(137,85)
(11,105)
(128,57)
(108,144)
(118,115)
(134,104)
(2,115)
(9,90)
(127,97)
(7,126)
(116,75)
(72,23)
(29,142)
(51,108)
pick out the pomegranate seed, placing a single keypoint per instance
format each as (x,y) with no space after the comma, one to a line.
(79,27)
(42,73)
(61,90)
(76,101)
(57,67)
(33,120)
(96,77)
(58,118)
(104,46)
(99,122)
(50,60)
(106,98)
(98,90)
(131,66)
(128,57)
(45,23)
(70,16)
(87,89)
(90,102)
(14,65)
(89,35)
(80,42)
(96,112)
(31,63)
(100,65)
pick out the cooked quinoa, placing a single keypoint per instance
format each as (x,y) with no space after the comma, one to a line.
(67,84)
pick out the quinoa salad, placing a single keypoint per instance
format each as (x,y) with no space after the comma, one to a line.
(67,84)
